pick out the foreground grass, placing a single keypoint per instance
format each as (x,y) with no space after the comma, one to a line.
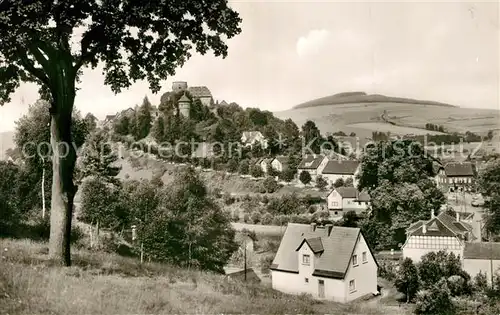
(100,283)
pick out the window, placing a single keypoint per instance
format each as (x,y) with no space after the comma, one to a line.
(354,260)
(364,257)
(352,285)
(307,280)
(335,204)
(306,259)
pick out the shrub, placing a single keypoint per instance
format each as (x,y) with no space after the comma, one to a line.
(255,217)
(338,183)
(256,171)
(321,183)
(228,199)
(265,263)
(265,200)
(246,218)
(267,219)
(287,175)
(236,216)
(480,282)
(305,177)
(436,300)
(270,185)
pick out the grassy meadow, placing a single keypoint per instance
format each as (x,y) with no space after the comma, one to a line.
(101,283)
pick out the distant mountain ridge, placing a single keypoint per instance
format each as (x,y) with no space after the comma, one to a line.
(362,97)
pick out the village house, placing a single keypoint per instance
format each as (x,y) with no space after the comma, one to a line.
(264,164)
(251,138)
(343,199)
(483,257)
(441,232)
(336,169)
(313,164)
(455,176)
(332,263)
(280,163)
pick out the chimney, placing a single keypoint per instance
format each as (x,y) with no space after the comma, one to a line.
(457,216)
(424,228)
(313,227)
(329,227)
(432,213)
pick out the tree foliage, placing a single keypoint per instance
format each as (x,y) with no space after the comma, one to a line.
(407,280)
(132,40)
(188,228)
(305,177)
(489,185)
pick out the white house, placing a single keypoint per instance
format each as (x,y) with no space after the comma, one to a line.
(264,163)
(481,257)
(280,163)
(442,232)
(331,263)
(343,199)
(250,138)
(313,164)
(336,169)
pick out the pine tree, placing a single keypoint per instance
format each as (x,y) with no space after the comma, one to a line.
(159,129)
(144,119)
(98,158)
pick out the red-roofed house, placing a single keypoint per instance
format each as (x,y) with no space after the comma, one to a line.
(332,263)
(442,232)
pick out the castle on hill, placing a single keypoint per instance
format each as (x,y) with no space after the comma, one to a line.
(197,92)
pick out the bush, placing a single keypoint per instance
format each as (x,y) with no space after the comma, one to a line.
(321,183)
(236,216)
(265,263)
(246,218)
(287,175)
(436,300)
(265,200)
(305,177)
(267,219)
(228,199)
(255,217)
(256,171)
(270,185)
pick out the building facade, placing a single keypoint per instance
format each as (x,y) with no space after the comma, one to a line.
(335,170)
(440,233)
(331,263)
(343,199)
(313,164)
(482,258)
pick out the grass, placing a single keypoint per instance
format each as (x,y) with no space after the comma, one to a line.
(101,283)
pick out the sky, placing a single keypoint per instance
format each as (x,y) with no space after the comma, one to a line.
(290,52)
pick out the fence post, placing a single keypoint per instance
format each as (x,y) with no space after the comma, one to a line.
(142,253)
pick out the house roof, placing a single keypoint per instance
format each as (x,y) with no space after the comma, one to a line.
(442,225)
(265,160)
(314,243)
(109,117)
(223,103)
(199,91)
(482,250)
(341,167)
(333,261)
(459,169)
(352,192)
(311,162)
(184,98)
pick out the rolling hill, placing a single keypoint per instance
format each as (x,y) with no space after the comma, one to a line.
(362,113)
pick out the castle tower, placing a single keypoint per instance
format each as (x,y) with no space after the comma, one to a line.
(184,106)
(179,86)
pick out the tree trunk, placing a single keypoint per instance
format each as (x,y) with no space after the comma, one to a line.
(63,165)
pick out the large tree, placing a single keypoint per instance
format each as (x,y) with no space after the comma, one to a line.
(133,40)
(489,185)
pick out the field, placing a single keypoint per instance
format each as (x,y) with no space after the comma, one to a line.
(396,130)
(360,117)
(100,283)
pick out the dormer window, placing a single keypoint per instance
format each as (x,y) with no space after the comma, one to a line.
(306,260)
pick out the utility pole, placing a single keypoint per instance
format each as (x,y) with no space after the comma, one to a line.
(43,187)
(245,258)
(491,261)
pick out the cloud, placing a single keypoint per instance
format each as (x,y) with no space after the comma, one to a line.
(312,43)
